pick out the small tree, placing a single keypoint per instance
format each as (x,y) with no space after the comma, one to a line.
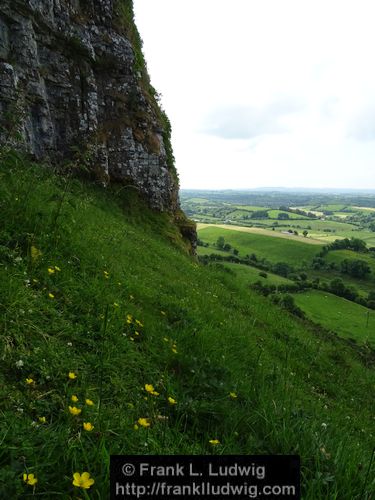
(220,242)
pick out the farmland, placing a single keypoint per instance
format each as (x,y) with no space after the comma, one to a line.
(286,249)
(272,248)
(324,217)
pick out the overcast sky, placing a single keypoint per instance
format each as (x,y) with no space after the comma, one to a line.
(265,92)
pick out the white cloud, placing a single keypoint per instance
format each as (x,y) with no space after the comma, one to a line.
(263,92)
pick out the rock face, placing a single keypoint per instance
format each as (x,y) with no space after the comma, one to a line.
(73,84)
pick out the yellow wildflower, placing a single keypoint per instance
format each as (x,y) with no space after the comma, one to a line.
(106,274)
(139,323)
(129,319)
(30,479)
(150,389)
(74,398)
(166,339)
(89,402)
(233,395)
(136,427)
(35,253)
(51,270)
(82,480)
(72,375)
(174,350)
(29,381)
(144,422)
(115,304)
(74,410)
(42,420)
(136,334)
(171,401)
(51,296)
(214,442)
(88,426)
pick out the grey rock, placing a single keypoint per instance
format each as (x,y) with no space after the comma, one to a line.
(68,81)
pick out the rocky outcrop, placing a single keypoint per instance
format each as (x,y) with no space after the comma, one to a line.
(73,84)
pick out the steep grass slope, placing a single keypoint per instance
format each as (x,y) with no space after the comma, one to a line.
(98,299)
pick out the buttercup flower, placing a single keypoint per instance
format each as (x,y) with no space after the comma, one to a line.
(51,296)
(89,402)
(29,381)
(150,389)
(82,480)
(106,274)
(171,401)
(88,426)
(74,398)
(139,323)
(214,442)
(233,395)
(72,375)
(51,270)
(30,479)
(57,268)
(74,410)
(42,420)
(144,422)
(174,350)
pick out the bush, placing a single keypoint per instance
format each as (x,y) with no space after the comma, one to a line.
(356,268)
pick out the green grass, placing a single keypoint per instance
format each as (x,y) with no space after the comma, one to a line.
(247,274)
(273,249)
(273,214)
(331,207)
(347,319)
(299,390)
(210,250)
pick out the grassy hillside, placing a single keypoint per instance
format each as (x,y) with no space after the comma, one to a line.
(339,315)
(98,298)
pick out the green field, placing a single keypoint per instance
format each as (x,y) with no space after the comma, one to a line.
(247,274)
(273,214)
(273,249)
(347,319)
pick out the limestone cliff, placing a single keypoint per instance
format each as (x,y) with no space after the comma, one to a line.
(73,80)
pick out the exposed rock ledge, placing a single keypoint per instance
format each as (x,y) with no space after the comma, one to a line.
(70,81)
